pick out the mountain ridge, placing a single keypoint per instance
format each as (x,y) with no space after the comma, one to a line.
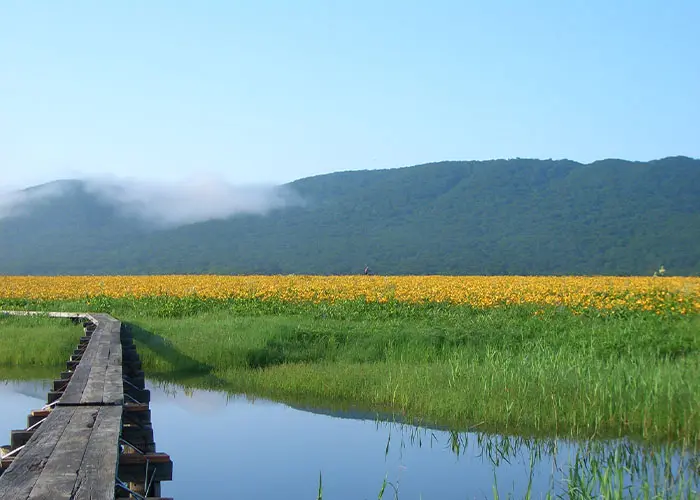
(517,216)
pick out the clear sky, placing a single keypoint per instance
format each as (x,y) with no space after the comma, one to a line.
(261,91)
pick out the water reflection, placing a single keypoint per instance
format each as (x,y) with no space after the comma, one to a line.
(233,446)
(253,448)
(17,399)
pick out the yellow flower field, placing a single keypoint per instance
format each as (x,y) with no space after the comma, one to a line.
(662,294)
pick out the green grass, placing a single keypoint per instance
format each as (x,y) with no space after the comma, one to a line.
(607,469)
(506,369)
(617,470)
(32,343)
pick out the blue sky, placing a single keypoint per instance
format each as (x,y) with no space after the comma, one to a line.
(267,92)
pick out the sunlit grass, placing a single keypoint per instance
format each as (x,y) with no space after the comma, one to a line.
(523,369)
(520,369)
(29,342)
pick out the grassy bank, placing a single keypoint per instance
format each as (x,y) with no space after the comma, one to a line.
(36,342)
(510,369)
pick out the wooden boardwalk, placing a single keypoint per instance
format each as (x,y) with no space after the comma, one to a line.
(93,439)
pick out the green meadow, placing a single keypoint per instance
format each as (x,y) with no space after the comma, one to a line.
(505,370)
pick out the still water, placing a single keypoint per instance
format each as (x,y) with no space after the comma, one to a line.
(227,446)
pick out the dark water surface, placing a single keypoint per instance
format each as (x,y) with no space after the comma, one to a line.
(227,446)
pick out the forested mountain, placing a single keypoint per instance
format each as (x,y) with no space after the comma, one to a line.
(493,217)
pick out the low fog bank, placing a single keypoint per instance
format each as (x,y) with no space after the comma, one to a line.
(163,204)
(16,202)
(196,200)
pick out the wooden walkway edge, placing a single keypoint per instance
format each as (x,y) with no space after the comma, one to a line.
(93,439)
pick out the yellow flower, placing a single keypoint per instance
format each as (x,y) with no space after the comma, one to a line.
(681,295)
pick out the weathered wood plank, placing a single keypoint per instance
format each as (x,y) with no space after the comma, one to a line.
(105,384)
(137,395)
(113,393)
(84,463)
(37,416)
(68,315)
(20,437)
(96,477)
(19,479)
(114,386)
(74,390)
(95,387)
(58,477)
(141,436)
(115,351)
(132,467)
(60,384)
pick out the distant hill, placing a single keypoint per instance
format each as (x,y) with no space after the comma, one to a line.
(493,217)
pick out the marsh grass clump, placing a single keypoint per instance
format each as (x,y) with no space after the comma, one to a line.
(36,341)
(554,468)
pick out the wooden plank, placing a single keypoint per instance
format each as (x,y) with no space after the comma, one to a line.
(74,390)
(115,351)
(84,463)
(98,470)
(116,326)
(58,477)
(100,318)
(132,467)
(19,479)
(110,355)
(37,416)
(141,436)
(68,315)
(94,389)
(103,350)
(114,385)
(20,437)
(92,347)
(113,393)
(138,395)
(60,384)
(73,394)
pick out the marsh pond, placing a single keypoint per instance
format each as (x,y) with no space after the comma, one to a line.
(233,446)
